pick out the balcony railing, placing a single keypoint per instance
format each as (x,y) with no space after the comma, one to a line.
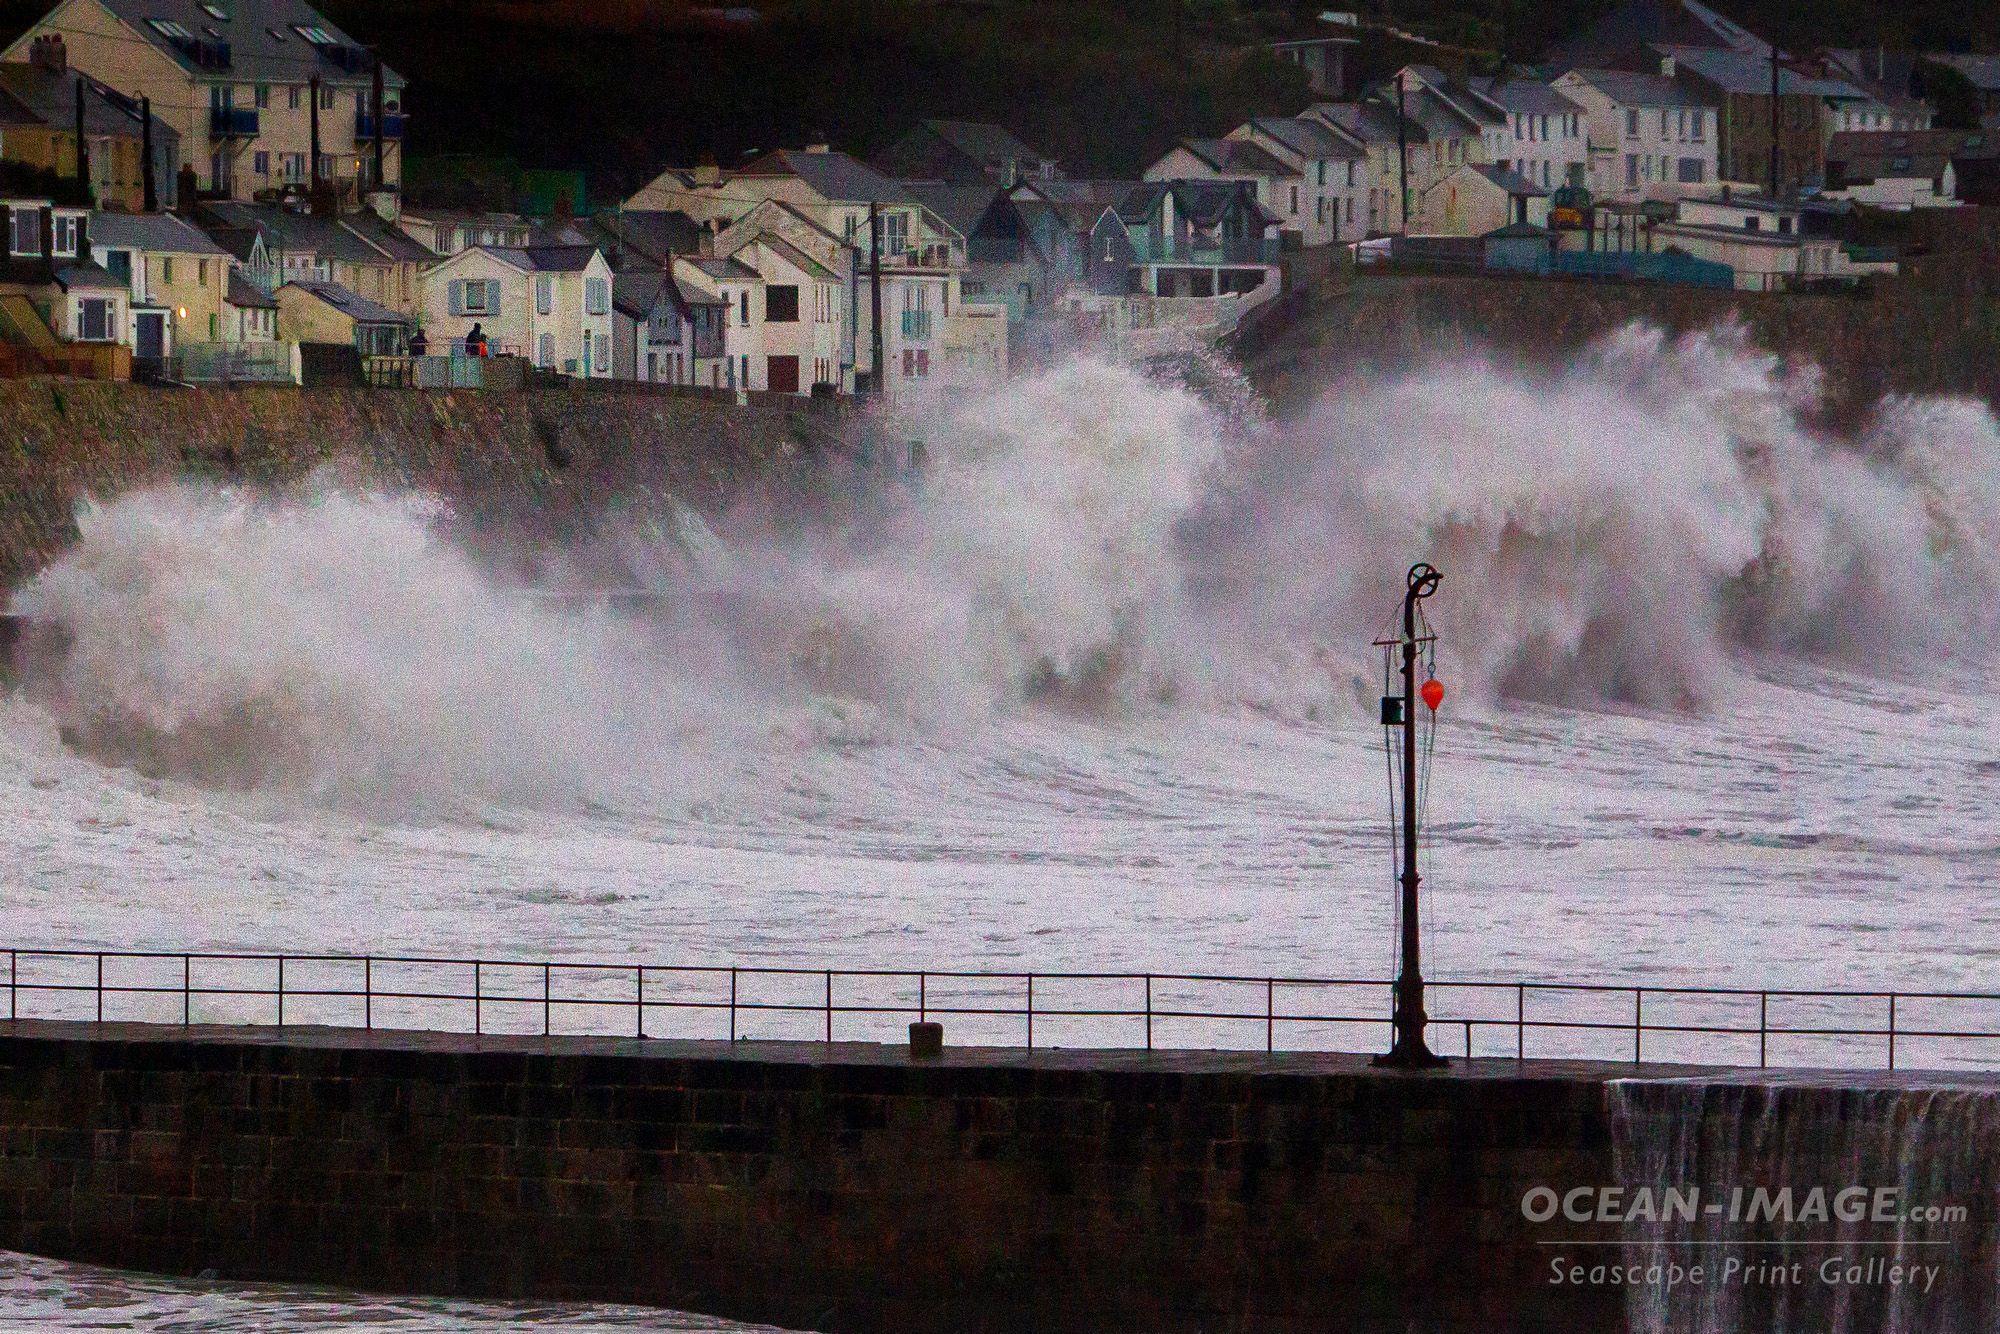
(364,125)
(916,324)
(1253,250)
(232,122)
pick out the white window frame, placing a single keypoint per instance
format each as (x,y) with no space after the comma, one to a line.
(64,231)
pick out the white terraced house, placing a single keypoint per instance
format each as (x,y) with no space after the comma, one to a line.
(1650,137)
(550,304)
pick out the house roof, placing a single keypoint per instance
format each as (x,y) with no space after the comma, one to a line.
(554,258)
(360,238)
(723,270)
(1440,115)
(1530,96)
(636,293)
(157,233)
(44,97)
(1746,200)
(1640,23)
(351,304)
(1238,157)
(792,255)
(1305,136)
(1873,155)
(1370,122)
(1513,182)
(1739,72)
(1518,231)
(1630,89)
(835,176)
(986,143)
(242,292)
(652,234)
(87,277)
(1202,202)
(263,39)
(962,207)
(1982,71)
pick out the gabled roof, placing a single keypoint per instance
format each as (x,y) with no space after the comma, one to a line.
(1737,72)
(1513,182)
(44,97)
(723,270)
(558,258)
(1369,122)
(360,238)
(1528,96)
(1630,89)
(242,292)
(1238,157)
(351,304)
(962,207)
(1201,202)
(262,37)
(984,141)
(1307,137)
(635,293)
(791,254)
(651,234)
(155,233)
(1441,117)
(836,177)
(88,278)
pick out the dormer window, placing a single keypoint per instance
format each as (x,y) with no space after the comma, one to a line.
(66,229)
(25,231)
(170,30)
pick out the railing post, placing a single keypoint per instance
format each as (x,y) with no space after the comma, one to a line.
(1149,1012)
(368,992)
(829,1005)
(1270,1015)
(281,991)
(1468,1039)
(1638,1022)
(1520,1021)
(1892,1030)
(1763,1026)
(639,1005)
(478,1019)
(187,991)
(545,999)
(100,986)
(13,984)
(923,998)
(1031,1011)
(732,1005)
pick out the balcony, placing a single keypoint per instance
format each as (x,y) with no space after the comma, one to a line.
(916,325)
(232,122)
(1202,250)
(364,126)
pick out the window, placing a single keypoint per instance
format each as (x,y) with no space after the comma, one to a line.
(1322,174)
(545,295)
(263,96)
(326,96)
(603,353)
(170,30)
(1631,169)
(1542,122)
(596,296)
(781,304)
(1784,226)
(201,272)
(318,36)
(294,165)
(743,307)
(215,11)
(1322,211)
(65,227)
(263,163)
(545,352)
(477,296)
(1663,122)
(1692,171)
(292,96)
(93,320)
(1700,125)
(1753,223)
(1295,201)
(167,269)
(895,233)
(1632,123)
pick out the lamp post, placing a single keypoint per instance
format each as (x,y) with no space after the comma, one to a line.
(1410,1051)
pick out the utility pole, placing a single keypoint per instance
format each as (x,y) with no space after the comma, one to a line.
(152,185)
(878,380)
(313,89)
(1774,121)
(1410,1051)
(1403,153)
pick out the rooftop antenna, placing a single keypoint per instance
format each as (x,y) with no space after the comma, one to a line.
(1410,1051)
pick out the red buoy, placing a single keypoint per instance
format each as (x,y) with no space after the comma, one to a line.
(1433,693)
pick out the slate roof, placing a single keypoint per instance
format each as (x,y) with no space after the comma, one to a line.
(981,140)
(1513,182)
(1202,202)
(1307,137)
(962,207)
(264,42)
(1529,96)
(1983,71)
(1238,157)
(835,176)
(88,277)
(242,292)
(650,233)
(1518,230)
(1629,89)
(359,238)
(552,258)
(351,304)
(1370,122)
(155,233)
(637,292)
(1873,155)
(1641,23)
(1738,72)
(43,97)
(725,270)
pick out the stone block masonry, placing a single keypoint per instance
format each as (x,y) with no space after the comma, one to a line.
(838,1188)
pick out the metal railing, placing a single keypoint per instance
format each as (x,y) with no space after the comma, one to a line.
(1691,1025)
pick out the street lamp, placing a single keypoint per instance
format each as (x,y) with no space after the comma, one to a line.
(1410,1052)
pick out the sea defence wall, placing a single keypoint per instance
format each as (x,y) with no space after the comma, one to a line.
(844,1187)
(522,465)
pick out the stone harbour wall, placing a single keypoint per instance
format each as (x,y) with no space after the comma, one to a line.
(838,1188)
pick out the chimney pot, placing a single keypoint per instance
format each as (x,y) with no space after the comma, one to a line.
(48,52)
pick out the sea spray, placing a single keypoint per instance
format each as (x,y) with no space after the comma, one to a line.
(1087,536)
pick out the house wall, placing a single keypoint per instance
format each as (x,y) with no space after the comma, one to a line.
(1550,148)
(194,292)
(1688,133)
(119,57)
(508,329)
(1464,203)
(117,174)
(304,318)
(1804,127)
(392,283)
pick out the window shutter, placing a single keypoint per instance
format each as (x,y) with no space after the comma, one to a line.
(492,294)
(457,296)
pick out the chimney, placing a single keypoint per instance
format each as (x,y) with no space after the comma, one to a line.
(705,243)
(708,173)
(819,146)
(48,52)
(1667,67)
